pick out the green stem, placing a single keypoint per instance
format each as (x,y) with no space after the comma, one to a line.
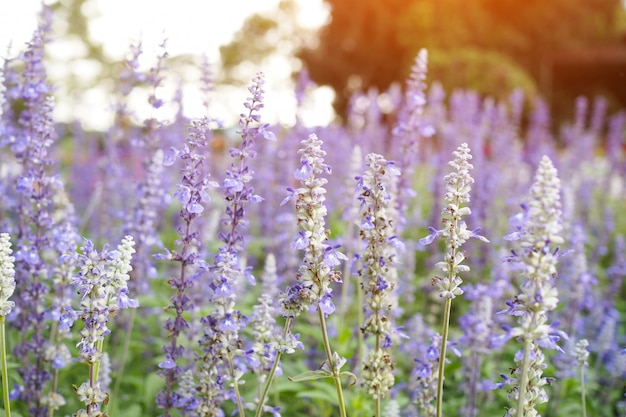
(123,359)
(231,367)
(329,354)
(346,271)
(96,366)
(270,377)
(523,379)
(5,374)
(582,391)
(442,356)
(360,319)
(92,383)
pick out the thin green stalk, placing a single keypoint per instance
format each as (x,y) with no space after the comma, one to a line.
(123,358)
(582,391)
(96,366)
(231,368)
(360,319)
(5,374)
(442,356)
(343,307)
(524,379)
(376,347)
(92,383)
(329,354)
(270,376)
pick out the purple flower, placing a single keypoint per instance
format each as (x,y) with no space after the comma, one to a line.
(326,304)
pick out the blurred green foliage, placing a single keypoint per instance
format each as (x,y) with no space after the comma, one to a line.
(486,45)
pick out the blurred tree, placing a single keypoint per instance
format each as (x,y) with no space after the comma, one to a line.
(372,43)
(262,35)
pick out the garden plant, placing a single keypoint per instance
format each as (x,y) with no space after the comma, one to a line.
(449,255)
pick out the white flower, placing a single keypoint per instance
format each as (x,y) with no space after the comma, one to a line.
(7,275)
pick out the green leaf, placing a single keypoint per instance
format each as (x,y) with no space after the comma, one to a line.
(351,375)
(310,375)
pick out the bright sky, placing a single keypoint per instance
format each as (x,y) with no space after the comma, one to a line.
(191,27)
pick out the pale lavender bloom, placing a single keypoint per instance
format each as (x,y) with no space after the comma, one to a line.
(192,196)
(425,377)
(410,127)
(7,275)
(101,281)
(378,273)
(145,213)
(36,186)
(454,231)
(316,273)
(221,345)
(539,239)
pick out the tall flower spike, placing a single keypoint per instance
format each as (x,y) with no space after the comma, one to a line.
(221,346)
(102,284)
(539,237)
(192,195)
(317,271)
(378,272)
(455,232)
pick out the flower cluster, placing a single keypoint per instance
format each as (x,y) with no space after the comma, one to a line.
(411,126)
(454,231)
(7,275)
(378,272)
(220,344)
(102,284)
(192,192)
(425,375)
(316,273)
(539,238)
(263,320)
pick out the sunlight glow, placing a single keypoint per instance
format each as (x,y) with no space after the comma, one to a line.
(192,27)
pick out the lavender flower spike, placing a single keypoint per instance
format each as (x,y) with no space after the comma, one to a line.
(455,231)
(378,272)
(7,275)
(316,272)
(540,237)
(102,284)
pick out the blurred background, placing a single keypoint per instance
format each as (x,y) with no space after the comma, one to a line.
(559,49)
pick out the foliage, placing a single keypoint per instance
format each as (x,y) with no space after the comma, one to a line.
(238,304)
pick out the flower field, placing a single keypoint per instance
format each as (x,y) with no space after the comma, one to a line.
(444,254)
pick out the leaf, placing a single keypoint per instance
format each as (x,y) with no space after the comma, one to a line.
(152,385)
(351,376)
(310,375)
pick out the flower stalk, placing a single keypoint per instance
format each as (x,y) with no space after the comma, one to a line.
(455,232)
